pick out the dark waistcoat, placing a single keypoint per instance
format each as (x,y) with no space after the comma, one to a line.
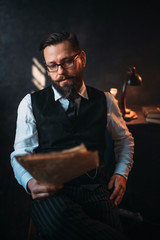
(56,132)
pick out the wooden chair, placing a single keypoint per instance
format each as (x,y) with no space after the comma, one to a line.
(32,232)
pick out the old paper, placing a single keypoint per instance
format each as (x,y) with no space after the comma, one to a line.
(60,167)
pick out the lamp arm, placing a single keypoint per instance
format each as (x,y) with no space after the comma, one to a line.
(123,97)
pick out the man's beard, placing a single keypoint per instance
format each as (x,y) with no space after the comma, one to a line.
(71,88)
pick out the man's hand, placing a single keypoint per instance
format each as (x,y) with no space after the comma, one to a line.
(40,191)
(118,183)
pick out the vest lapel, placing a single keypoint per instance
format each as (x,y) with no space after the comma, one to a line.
(58,110)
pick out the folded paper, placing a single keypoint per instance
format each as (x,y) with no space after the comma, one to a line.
(60,167)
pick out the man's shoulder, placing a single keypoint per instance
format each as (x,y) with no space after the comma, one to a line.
(41,92)
(41,97)
(94,92)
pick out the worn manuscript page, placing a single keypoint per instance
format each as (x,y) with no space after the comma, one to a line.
(60,167)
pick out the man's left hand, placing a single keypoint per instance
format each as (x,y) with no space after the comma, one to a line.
(118,183)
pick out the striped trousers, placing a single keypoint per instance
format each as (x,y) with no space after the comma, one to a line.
(76,213)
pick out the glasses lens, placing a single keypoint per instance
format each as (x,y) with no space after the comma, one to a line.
(52,68)
(65,64)
(68,63)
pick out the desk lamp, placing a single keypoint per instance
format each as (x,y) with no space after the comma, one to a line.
(132,79)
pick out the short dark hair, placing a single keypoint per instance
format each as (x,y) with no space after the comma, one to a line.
(55,38)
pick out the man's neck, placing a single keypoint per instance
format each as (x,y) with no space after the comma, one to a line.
(82,92)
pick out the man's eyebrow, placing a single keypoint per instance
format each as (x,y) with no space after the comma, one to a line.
(65,58)
(51,62)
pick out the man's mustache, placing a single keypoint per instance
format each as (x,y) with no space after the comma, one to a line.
(63,77)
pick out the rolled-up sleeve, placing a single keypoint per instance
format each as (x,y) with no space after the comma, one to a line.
(26,139)
(123,140)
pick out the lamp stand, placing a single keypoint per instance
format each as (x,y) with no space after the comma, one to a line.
(132,79)
(129,115)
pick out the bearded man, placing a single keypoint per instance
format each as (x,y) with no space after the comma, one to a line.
(83,208)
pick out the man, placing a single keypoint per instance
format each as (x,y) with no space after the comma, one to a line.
(83,208)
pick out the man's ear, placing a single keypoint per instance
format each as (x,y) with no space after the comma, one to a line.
(83,58)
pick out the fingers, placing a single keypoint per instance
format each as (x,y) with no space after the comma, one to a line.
(40,191)
(39,196)
(119,196)
(119,184)
(46,188)
(115,193)
(111,183)
(43,191)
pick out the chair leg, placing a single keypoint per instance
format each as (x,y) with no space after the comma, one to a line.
(32,232)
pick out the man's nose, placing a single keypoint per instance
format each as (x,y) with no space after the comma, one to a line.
(60,70)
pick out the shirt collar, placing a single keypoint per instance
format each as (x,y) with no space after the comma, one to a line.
(82,92)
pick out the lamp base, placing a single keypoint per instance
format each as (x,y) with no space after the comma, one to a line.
(129,115)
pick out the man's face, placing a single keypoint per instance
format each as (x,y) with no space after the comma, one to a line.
(66,80)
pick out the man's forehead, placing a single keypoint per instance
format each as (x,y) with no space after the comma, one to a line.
(58,52)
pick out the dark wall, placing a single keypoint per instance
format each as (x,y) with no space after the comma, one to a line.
(114,36)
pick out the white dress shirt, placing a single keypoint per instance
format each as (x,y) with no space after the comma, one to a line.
(26,139)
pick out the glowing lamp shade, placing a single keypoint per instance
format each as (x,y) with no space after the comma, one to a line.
(132,79)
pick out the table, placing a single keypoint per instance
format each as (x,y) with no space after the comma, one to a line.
(143,191)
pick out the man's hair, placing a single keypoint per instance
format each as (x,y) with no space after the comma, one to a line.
(55,38)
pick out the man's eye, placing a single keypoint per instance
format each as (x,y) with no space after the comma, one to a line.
(67,62)
(52,66)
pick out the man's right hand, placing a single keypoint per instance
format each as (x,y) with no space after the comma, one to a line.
(40,191)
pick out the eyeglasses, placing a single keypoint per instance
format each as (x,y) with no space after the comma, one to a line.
(67,63)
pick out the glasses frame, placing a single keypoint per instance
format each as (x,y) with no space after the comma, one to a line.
(72,58)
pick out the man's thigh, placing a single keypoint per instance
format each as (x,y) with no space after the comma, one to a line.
(58,216)
(100,207)
(75,213)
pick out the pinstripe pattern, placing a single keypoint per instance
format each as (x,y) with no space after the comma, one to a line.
(77,213)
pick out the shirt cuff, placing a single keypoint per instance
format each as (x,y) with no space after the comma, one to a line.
(24,180)
(122,169)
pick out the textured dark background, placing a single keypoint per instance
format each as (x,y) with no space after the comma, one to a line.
(114,37)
